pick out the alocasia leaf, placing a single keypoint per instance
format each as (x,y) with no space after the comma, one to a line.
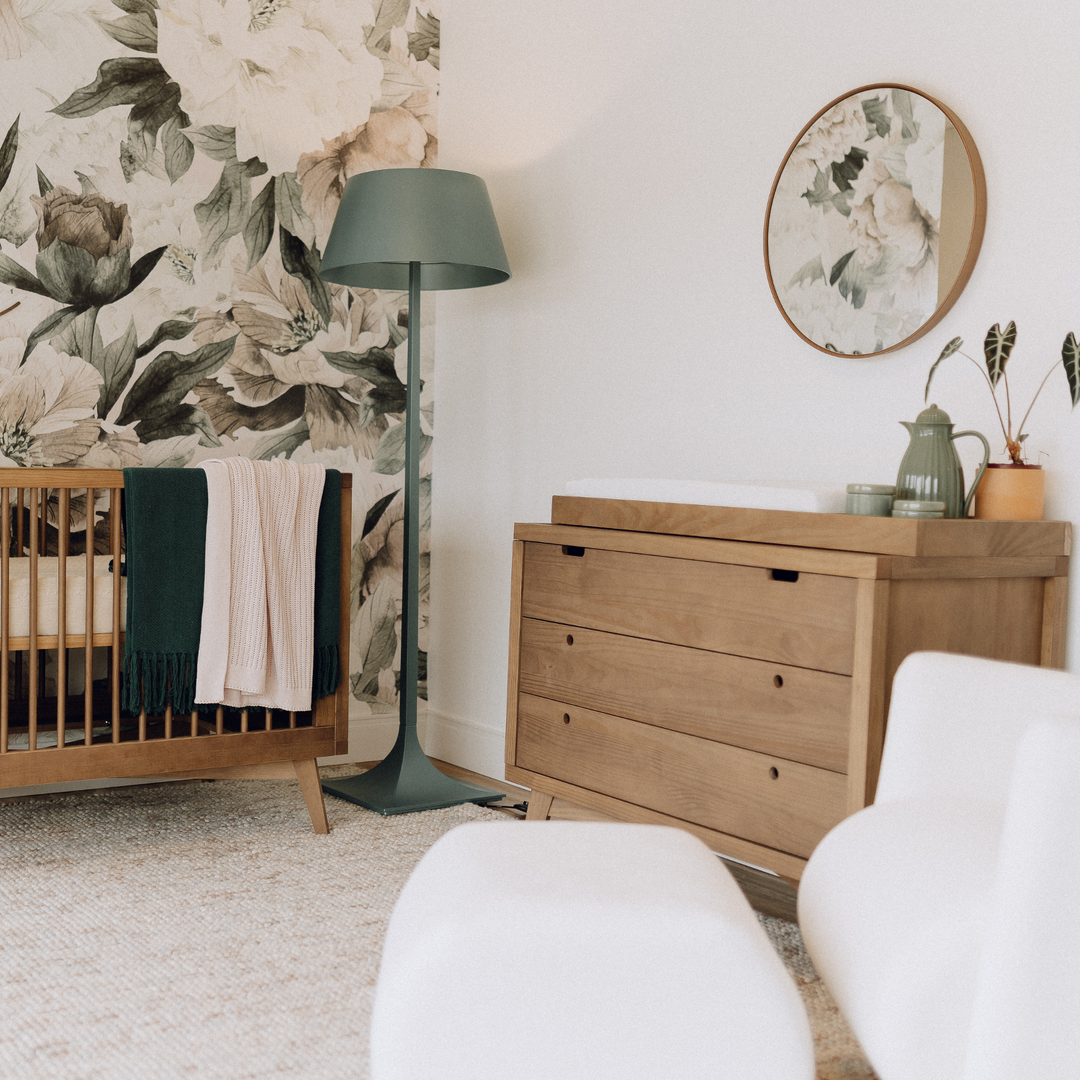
(1070,357)
(947,351)
(997,347)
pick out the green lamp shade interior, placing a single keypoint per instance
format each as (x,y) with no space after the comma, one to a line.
(436,217)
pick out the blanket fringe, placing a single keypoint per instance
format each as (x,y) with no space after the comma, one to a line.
(153,680)
(326,674)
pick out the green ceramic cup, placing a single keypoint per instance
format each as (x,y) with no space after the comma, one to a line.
(871,500)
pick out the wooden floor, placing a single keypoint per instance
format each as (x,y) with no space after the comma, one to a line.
(767,893)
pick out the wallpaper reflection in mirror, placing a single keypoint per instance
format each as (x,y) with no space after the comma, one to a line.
(872,223)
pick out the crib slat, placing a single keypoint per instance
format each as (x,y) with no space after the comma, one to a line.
(88,651)
(43,503)
(219,721)
(63,523)
(5,613)
(32,689)
(194,723)
(243,720)
(114,545)
(168,720)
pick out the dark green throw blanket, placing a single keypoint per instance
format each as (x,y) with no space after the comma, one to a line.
(165,537)
(327,671)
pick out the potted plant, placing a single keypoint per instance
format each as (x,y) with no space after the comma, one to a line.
(1011,490)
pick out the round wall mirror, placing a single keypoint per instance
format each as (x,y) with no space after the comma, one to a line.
(875,220)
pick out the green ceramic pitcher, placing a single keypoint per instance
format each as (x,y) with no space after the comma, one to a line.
(931,467)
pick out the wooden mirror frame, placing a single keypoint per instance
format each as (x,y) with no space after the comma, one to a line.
(974,241)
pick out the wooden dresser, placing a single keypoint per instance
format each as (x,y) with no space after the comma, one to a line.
(728,670)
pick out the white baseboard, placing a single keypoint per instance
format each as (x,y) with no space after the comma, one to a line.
(466,743)
(448,738)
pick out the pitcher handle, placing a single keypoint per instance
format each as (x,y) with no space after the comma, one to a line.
(982,468)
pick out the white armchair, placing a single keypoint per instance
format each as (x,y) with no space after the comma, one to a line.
(944,917)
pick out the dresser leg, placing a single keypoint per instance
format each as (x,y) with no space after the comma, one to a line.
(539,806)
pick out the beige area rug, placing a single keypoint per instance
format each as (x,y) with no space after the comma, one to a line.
(204,931)
(836,1050)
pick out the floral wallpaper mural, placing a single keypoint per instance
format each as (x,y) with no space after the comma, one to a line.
(169,172)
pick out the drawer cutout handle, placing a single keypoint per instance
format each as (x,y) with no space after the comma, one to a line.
(784,575)
(778,681)
(571,549)
(566,718)
(569,639)
(774,772)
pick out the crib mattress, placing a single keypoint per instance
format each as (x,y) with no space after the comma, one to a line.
(48,594)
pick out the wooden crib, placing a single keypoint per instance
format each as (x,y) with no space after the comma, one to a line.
(61,650)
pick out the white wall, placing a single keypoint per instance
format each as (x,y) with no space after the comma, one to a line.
(629,149)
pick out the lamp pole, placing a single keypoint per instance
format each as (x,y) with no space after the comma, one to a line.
(405,780)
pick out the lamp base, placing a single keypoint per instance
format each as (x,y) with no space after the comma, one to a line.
(404,782)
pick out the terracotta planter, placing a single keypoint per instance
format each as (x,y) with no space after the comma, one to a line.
(1010,493)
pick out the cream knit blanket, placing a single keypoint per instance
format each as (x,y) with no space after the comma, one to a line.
(258,624)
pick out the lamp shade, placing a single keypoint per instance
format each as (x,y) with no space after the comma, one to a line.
(436,217)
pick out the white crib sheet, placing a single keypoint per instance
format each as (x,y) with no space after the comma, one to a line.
(48,593)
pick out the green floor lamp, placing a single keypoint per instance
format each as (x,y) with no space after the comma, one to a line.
(416,229)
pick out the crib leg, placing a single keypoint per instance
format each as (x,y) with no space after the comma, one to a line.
(308,775)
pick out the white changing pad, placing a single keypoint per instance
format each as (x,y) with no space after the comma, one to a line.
(814,498)
(19,583)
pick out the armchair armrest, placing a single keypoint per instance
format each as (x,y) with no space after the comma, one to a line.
(1026,1015)
(955,724)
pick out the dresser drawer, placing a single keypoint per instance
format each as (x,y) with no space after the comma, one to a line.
(744,610)
(764,799)
(776,709)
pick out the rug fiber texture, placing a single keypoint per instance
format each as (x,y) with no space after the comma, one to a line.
(203,930)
